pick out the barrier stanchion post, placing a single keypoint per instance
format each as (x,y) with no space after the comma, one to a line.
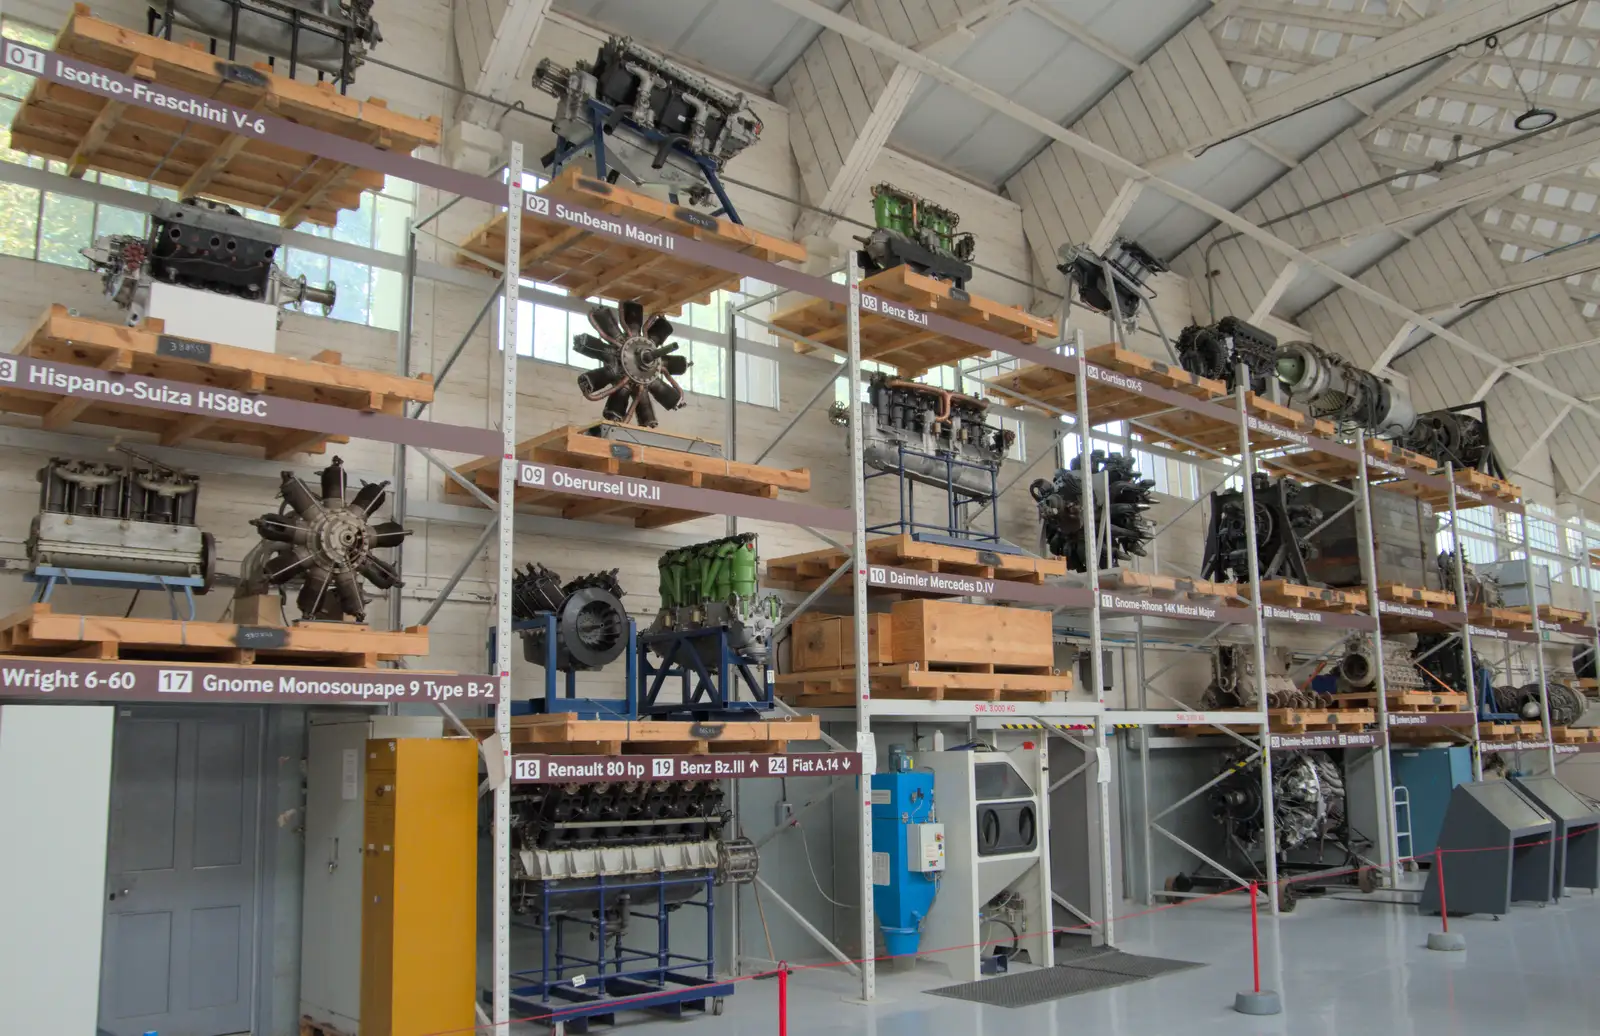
(1257,1000)
(783,999)
(1255,940)
(1444,939)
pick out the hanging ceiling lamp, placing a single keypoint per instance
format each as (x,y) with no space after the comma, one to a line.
(1535,118)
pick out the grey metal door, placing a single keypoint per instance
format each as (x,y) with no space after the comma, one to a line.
(178,953)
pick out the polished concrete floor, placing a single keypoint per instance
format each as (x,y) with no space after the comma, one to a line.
(1343,966)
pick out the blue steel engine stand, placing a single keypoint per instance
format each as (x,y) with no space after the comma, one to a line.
(578,987)
(50,576)
(958,503)
(704,693)
(604,119)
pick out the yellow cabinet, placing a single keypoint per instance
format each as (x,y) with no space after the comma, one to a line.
(419,886)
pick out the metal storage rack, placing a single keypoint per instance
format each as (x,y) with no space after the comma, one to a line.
(1088,601)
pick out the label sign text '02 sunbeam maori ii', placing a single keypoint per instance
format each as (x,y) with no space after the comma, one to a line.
(70,680)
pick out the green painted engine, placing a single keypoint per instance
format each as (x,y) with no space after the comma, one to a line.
(717,583)
(914,232)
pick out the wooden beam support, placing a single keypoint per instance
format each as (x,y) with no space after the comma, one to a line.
(491,69)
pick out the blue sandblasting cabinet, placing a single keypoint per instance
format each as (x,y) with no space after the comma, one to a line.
(908,856)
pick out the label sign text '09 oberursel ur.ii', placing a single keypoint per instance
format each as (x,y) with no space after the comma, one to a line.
(63,679)
(600,769)
(553,478)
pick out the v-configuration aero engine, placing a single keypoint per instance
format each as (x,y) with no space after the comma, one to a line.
(639,116)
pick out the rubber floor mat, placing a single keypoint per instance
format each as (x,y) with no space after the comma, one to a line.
(1082,971)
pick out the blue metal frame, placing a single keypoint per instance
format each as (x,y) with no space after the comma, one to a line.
(626,707)
(957,502)
(581,985)
(602,115)
(48,576)
(704,694)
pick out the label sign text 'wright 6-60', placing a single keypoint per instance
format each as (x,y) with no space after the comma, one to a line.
(61,679)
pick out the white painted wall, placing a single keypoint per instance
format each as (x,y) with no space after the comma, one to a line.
(53,869)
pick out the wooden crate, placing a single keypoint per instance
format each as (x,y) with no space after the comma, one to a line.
(835,688)
(571,447)
(590,265)
(1408,701)
(1036,384)
(202,157)
(1154,585)
(61,337)
(1285,594)
(565,733)
(38,630)
(828,641)
(889,340)
(807,571)
(950,633)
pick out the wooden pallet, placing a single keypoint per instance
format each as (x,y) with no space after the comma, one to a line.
(61,337)
(565,733)
(1301,721)
(1509,731)
(203,157)
(835,688)
(1188,432)
(38,630)
(1383,449)
(1416,595)
(1050,391)
(1570,735)
(311,1028)
(1408,701)
(590,265)
(1550,613)
(1501,618)
(1285,594)
(1289,721)
(807,571)
(572,447)
(889,340)
(1153,585)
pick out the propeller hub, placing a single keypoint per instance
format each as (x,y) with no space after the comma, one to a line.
(641,360)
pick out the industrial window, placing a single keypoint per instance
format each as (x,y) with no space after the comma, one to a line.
(53,228)
(545,332)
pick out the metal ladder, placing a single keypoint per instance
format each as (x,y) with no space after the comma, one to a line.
(1402,831)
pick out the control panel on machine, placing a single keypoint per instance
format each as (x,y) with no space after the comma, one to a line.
(925,847)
